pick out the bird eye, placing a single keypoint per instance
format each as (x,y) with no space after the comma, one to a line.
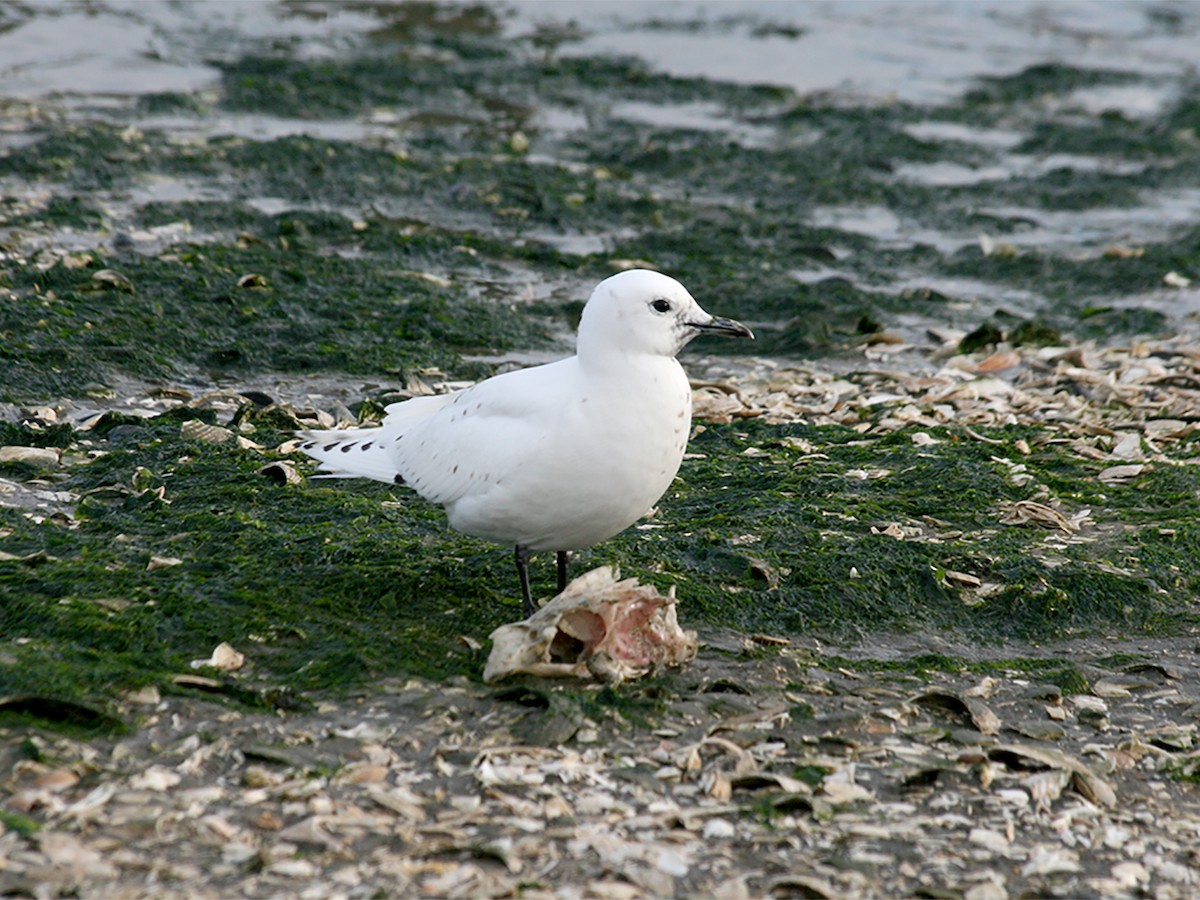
(661,306)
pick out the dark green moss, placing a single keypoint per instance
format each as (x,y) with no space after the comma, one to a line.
(655,183)
(1073,286)
(23,436)
(986,335)
(305,312)
(1041,80)
(325,585)
(98,153)
(308,88)
(19,823)
(1035,333)
(1111,134)
(313,607)
(814,524)
(60,212)
(167,103)
(208,215)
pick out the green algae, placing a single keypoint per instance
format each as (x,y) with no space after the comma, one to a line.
(328,587)
(264,306)
(19,823)
(1039,81)
(314,606)
(689,202)
(59,212)
(214,216)
(815,524)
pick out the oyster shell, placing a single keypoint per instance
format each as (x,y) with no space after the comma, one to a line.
(598,627)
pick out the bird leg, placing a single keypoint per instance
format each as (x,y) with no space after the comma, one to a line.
(521,556)
(564,557)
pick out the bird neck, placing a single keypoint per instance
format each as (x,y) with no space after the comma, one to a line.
(610,363)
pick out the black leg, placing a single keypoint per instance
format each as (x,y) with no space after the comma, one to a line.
(522,557)
(564,557)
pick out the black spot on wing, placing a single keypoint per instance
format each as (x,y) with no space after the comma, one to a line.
(397,478)
(346,447)
(329,447)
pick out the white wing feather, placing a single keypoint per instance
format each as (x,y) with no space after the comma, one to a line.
(455,451)
(445,446)
(369,452)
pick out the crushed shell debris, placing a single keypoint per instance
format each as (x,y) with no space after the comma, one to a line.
(808,778)
(783,775)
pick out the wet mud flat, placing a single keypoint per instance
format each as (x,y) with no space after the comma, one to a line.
(1016,740)
(963,455)
(760,771)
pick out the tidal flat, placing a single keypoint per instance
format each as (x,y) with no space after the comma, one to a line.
(962,451)
(444,195)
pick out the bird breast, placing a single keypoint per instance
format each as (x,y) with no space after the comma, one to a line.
(613,451)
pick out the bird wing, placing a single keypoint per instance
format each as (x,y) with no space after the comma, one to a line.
(368,452)
(485,434)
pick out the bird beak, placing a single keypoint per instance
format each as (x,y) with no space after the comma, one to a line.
(722,325)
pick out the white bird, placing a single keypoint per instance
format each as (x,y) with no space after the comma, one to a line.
(554,457)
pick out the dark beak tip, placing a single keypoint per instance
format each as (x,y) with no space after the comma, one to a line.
(730,327)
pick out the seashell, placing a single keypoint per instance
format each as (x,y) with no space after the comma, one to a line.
(42,457)
(968,709)
(1083,779)
(1122,474)
(224,657)
(57,780)
(1030,511)
(1117,251)
(155,778)
(280,472)
(997,362)
(196,430)
(110,279)
(597,627)
(962,578)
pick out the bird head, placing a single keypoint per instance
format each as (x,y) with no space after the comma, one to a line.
(640,311)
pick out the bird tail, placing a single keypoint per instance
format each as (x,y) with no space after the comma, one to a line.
(351,453)
(369,452)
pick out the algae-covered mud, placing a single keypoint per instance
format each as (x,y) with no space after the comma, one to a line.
(959,466)
(290,212)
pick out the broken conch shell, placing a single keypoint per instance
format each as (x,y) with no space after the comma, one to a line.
(597,627)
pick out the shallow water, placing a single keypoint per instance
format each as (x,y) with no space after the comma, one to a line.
(881,50)
(870,50)
(857,54)
(1000,162)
